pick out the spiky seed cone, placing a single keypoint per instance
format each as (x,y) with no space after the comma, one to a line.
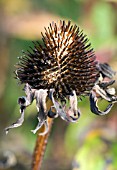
(65,62)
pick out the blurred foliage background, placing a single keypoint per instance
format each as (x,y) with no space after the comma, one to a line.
(90,144)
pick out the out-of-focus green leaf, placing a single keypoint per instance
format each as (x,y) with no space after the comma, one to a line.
(103,20)
(67,8)
(95,153)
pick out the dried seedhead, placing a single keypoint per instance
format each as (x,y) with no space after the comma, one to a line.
(63,68)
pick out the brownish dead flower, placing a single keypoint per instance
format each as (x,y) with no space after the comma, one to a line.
(63,68)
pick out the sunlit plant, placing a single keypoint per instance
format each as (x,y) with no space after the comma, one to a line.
(63,69)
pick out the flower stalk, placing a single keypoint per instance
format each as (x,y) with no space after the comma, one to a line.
(40,146)
(41,142)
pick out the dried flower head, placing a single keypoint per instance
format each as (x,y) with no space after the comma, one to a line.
(63,68)
(66,62)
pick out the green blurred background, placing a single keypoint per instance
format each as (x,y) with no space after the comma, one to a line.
(90,144)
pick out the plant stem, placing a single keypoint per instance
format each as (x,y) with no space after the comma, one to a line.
(41,143)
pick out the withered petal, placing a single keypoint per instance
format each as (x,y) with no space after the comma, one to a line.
(40,96)
(46,129)
(58,107)
(103,94)
(70,114)
(18,123)
(94,108)
(39,125)
(106,70)
(106,84)
(73,111)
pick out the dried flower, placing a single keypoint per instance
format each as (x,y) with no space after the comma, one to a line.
(62,69)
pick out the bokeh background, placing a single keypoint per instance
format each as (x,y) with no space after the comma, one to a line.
(90,144)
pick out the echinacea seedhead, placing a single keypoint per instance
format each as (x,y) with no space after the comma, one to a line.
(63,68)
(66,62)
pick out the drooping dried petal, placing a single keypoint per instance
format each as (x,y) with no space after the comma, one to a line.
(66,62)
(94,107)
(40,96)
(106,70)
(103,90)
(70,114)
(18,123)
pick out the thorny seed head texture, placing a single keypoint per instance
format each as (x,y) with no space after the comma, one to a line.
(63,68)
